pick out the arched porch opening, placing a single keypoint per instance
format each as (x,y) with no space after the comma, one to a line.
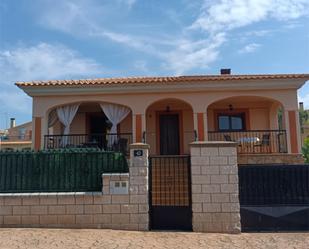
(90,126)
(255,123)
(169,127)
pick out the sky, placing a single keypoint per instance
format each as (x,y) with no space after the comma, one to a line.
(73,39)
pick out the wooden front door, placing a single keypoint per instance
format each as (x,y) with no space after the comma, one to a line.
(169,134)
(97,131)
(97,124)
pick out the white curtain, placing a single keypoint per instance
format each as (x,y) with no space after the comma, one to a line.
(115,114)
(65,115)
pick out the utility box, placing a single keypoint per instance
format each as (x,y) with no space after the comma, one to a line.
(119,187)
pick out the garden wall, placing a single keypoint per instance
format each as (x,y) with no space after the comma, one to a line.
(122,204)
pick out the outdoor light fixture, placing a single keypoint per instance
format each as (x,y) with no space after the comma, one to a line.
(231,107)
(168,108)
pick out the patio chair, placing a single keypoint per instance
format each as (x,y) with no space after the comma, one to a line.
(227,138)
(265,142)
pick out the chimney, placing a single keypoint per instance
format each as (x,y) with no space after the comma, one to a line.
(224,71)
(301,106)
(12,123)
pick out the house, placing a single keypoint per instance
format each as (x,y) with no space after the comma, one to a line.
(187,136)
(16,137)
(169,113)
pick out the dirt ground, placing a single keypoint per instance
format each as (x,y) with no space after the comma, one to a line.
(86,238)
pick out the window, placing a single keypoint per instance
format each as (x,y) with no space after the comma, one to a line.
(227,122)
(22,133)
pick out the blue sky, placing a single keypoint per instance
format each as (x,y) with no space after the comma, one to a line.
(70,39)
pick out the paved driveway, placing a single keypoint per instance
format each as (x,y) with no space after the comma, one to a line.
(85,238)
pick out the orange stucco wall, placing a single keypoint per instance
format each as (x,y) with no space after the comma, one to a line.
(293,132)
(261,116)
(258,112)
(186,116)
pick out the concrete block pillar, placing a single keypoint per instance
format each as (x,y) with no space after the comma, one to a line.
(214,177)
(138,189)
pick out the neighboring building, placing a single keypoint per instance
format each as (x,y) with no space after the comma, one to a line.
(168,113)
(17,137)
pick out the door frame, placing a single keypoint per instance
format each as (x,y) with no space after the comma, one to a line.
(180,121)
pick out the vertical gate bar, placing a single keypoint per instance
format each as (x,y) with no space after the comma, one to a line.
(179,175)
(162,183)
(176,173)
(169,187)
(173,182)
(183,183)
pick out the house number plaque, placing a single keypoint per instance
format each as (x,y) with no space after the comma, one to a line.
(138,153)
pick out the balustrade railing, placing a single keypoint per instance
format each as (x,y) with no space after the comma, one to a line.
(253,141)
(107,142)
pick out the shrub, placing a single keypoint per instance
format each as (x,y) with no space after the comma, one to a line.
(305,150)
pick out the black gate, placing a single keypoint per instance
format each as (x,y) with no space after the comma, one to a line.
(170,192)
(274,197)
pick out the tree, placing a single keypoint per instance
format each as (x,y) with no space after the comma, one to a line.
(303,118)
(305,150)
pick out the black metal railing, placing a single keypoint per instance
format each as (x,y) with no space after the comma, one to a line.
(58,170)
(253,141)
(107,142)
(264,185)
(186,136)
(11,138)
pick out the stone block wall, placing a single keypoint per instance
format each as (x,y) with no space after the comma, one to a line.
(71,210)
(126,210)
(264,159)
(214,176)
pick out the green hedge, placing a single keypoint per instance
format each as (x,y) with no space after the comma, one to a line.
(62,170)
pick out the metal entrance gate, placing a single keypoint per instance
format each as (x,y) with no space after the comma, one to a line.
(274,197)
(170,192)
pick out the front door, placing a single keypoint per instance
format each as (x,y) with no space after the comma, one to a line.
(169,134)
(97,131)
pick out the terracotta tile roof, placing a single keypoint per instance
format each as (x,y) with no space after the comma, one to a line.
(160,80)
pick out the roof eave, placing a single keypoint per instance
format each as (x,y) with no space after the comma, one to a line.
(241,85)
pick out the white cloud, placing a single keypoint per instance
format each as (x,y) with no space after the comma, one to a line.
(195,46)
(15,101)
(129,3)
(66,16)
(259,33)
(194,54)
(249,48)
(43,61)
(141,65)
(177,53)
(230,14)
